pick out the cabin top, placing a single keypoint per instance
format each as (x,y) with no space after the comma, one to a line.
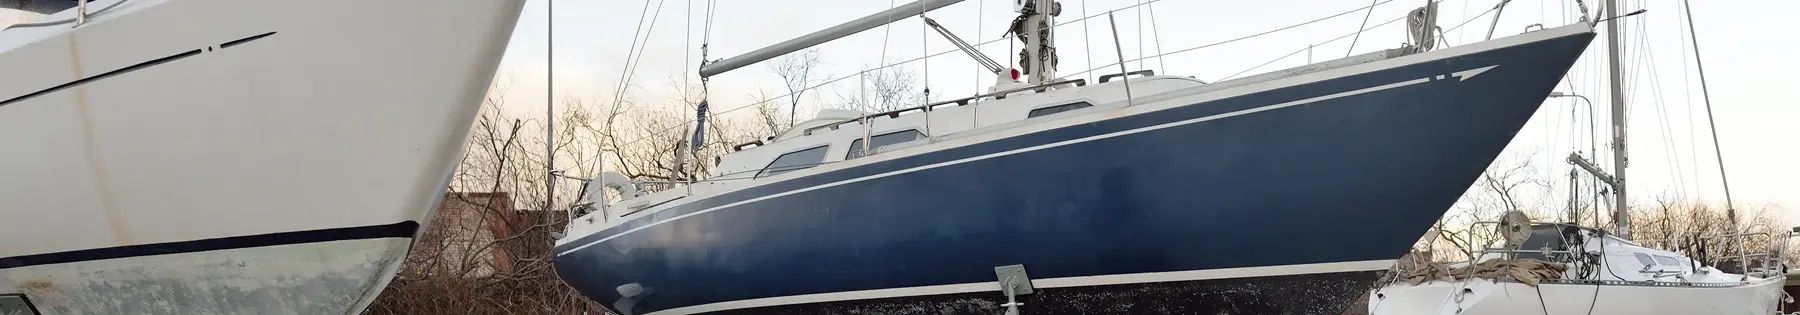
(836,135)
(18,35)
(1621,259)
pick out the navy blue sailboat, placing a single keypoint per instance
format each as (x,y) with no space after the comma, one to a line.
(1283,193)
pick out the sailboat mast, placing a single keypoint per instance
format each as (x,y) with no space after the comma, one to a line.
(1620,215)
(1041,43)
(549,105)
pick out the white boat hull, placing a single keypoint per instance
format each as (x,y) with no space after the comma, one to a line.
(1486,297)
(233,156)
(311,278)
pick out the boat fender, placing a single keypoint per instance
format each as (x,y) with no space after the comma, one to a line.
(624,185)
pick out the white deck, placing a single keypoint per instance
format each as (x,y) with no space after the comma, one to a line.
(1631,279)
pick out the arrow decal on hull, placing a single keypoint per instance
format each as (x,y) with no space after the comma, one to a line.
(1466,74)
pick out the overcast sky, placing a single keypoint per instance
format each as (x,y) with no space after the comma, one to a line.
(1746,46)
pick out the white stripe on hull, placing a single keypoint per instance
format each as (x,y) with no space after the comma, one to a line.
(303,279)
(994,286)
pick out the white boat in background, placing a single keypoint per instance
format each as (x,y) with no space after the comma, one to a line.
(1606,275)
(230,156)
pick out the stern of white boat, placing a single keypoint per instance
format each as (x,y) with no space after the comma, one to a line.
(1752,296)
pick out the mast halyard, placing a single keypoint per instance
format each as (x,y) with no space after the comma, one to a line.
(1621,215)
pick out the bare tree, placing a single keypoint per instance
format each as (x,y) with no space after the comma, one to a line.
(487,250)
(1703,232)
(1670,224)
(882,90)
(651,141)
(767,114)
(796,72)
(1504,186)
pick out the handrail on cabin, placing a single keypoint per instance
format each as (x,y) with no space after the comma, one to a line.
(81,15)
(1109,77)
(958,102)
(929,107)
(740,146)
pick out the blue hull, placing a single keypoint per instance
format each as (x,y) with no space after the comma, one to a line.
(1346,179)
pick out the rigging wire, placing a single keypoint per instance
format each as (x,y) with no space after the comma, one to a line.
(1365,23)
(1140,34)
(975,114)
(687,46)
(925,49)
(1713,126)
(1156,35)
(632,53)
(1687,95)
(1656,90)
(887,33)
(1466,22)
(1465,12)
(708,32)
(1542,12)
(701,110)
(1357,33)
(980,16)
(1086,39)
(638,59)
(1237,39)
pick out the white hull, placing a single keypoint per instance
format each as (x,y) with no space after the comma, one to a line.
(1485,297)
(311,278)
(210,156)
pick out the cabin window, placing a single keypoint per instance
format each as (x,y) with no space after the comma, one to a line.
(797,160)
(1645,259)
(1668,261)
(887,139)
(1058,109)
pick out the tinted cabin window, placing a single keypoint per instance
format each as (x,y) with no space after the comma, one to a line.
(1057,109)
(795,161)
(1667,261)
(1644,259)
(876,142)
